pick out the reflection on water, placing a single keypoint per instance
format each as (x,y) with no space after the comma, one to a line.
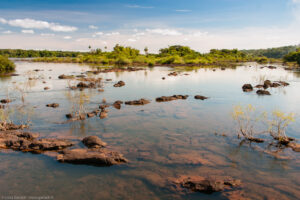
(161,140)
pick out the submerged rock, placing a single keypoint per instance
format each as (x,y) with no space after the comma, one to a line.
(103,114)
(171,98)
(97,157)
(200,97)
(5,101)
(46,88)
(247,88)
(82,85)
(93,142)
(53,105)
(119,84)
(294,146)
(206,185)
(138,102)
(263,92)
(117,104)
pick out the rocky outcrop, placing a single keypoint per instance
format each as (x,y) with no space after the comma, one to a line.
(82,85)
(171,98)
(119,84)
(96,157)
(173,74)
(28,142)
(53,105)
(138,102)
(93,142)
(4,126)
(200,97)
(247,88)
(117,104)
(263,92)
(206,185)
(65,76)
(5,101)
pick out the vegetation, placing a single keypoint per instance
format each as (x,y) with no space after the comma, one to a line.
(19,53)
(293,57)
(6,65)
(248,122)
(173,55)
(279,52)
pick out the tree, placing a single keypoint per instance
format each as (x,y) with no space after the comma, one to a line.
(146,50)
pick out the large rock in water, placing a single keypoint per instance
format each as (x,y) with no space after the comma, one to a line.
(138,102)
(171,98)
(263,92)
(97,157)
(93,142)
(247,88)
(200,97)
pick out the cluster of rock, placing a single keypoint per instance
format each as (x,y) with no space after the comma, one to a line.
(171,98)
(63,76)
(173,74)
(96,154)
(119,84)
(5,101)
(53,105)
(206,185)
(137,102)
(262,88)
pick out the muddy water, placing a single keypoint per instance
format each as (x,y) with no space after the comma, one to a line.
(161,140)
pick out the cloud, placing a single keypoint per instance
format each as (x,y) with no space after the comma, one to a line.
(132,40)
(37,24)
(93,27)
(296,1)
(7,32)
(165,32)
(183,10)
(3,21)
(138,6)
(28,31)
(112,34)
(67,37)
(47,34)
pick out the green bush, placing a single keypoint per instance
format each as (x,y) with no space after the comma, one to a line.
(123,61)
(6,65)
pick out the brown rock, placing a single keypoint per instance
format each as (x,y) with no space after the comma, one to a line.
(65,76)
(171,98)
(5,101)
(93,142)
(46,88)
(138,102)
(97,157)
(119,84)
(247,88)
(117,104)
(263,92)
(103,114)
(53,105)
(200,97)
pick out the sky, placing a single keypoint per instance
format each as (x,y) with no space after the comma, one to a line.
(200,24)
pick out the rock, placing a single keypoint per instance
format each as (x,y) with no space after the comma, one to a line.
(5,101)
(257,140)
(207,185)
(86,85)
(117,104)
(108,79)
(65,76)
(53,105)
(119,84)
(96,157)
(173,74)
(271,67)
(69,116)
(275,85)
(200,97)
(259,86)
(247,88)
(283,83)
(102,107)
(163,78)
(263,92)
(138,102)
(93,142)
(100,90)
(91,114)
(50,144)
(171,98)
(223,68)
(46,88)
(267,84)
(10,126)
(294,146)
(103,114)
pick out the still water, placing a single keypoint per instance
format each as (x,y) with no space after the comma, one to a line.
(161,140)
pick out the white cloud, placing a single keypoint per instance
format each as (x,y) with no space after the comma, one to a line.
(3,21)
(183,10)
(28,31)
(296,1)
(93,27)
(47,34)
(165,32)
(7,32)
(68,37)
(37,24)
(138,6)
(112,34)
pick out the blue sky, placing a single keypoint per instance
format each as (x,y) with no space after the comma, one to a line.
(201,24)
